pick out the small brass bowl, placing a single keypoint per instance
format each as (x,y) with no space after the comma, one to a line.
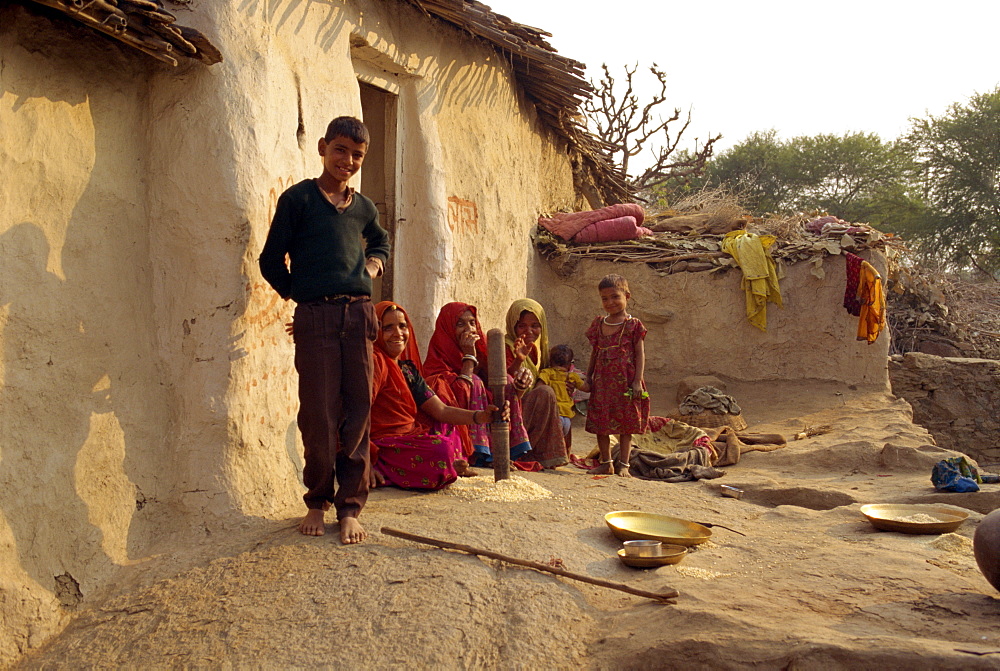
(643,548)
(671,554)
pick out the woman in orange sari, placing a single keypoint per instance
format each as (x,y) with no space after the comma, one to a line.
(413,442)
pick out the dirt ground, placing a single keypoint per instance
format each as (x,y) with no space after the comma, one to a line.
(811,585)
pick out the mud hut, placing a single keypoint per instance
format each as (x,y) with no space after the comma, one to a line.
(146,383)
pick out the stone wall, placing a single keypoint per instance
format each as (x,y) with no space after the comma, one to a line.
(956,399)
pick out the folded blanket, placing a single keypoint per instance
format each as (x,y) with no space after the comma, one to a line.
(568,224)
(609,230)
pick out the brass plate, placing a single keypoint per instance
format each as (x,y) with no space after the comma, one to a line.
(672,554)
(632,525)
(879,513)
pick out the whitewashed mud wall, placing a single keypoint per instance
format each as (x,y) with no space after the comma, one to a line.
(84,443)
(146,383)
(698,326)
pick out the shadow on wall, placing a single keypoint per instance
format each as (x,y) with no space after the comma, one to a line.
(81,409)
(292,15)
(479,83)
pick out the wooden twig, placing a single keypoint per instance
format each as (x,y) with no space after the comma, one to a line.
(662,597)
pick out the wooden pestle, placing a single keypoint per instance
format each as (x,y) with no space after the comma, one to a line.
(499,429)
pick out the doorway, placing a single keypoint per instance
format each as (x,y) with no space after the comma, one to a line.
(378,174)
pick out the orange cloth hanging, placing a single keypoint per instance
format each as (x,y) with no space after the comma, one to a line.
(872,297)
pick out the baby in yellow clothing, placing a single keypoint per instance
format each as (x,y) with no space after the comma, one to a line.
(563,382)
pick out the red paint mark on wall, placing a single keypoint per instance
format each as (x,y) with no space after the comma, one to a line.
(463,215)
(274,193)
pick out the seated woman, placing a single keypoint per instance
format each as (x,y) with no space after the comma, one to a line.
(455,366)
(413,445)
(527,342)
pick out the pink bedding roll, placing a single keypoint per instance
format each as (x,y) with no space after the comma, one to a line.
(568,224)
(609,230)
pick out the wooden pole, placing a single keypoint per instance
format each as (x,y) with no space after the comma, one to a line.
(499,429)
(662,597)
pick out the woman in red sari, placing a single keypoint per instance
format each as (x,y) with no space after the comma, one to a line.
(412,441)
(455,367)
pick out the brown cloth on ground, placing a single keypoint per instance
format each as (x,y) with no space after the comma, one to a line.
(730,446)
(709,398)
(693,463)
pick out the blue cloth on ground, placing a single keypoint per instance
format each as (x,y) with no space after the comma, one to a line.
(956,474)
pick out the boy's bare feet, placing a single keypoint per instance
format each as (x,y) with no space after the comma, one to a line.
(312,523)
(604,468)
(351,531)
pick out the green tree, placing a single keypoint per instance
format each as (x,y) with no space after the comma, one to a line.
(759,169)
(959,158)
(857,176)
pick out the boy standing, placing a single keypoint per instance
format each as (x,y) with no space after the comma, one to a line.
(320,223)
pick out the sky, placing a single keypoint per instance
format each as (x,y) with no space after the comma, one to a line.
(801,68)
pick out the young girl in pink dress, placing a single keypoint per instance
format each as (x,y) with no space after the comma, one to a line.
(618,402)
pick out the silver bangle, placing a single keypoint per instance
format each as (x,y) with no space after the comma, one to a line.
(467,378)
(470,357)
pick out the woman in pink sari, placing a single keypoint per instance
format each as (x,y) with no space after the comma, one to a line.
(413,442)
(455,366)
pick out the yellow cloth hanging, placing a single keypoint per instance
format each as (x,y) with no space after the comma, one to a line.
(760,279)
(872,297)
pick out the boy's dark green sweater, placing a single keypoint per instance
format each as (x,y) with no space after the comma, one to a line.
(327,249)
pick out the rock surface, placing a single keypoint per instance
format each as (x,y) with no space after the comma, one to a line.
(956,399)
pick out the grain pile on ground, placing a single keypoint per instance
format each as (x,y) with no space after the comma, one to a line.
(485,488)
(918,518)
(811,584)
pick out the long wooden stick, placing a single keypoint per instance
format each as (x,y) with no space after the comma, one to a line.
(662,597)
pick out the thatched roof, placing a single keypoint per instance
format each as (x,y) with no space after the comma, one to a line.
(554,83)
(142,24)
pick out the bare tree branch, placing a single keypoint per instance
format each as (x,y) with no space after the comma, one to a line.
(630,129)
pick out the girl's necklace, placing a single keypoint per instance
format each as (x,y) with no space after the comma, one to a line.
(607,323)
